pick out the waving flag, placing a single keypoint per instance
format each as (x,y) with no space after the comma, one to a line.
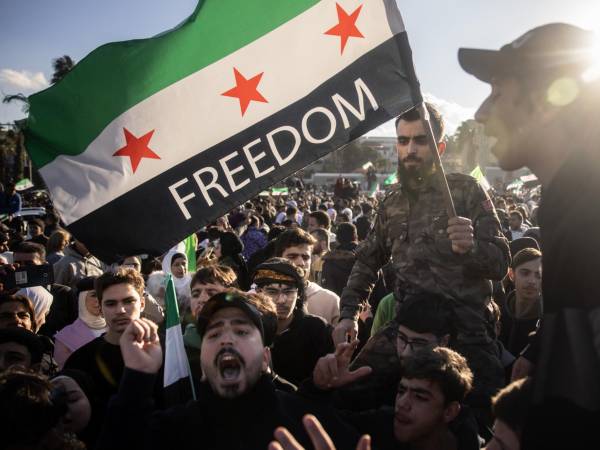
(145,141)
(178,384)
(477,173)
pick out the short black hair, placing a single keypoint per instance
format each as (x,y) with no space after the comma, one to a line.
(292,238)
(223,275)
(124,275)
(31,247)
(524,256)
(322,218)
(437,121)
(444,366)
(427,313)
(26,338)
(346,233)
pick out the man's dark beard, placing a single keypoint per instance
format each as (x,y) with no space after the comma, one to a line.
(413,175)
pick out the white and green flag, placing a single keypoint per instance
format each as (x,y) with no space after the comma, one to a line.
(146,141)
(477,173)
(178,384)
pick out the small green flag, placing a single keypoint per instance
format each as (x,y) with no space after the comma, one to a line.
(392,179)
(191,244)
(480,177)
(23,184)
(279,191)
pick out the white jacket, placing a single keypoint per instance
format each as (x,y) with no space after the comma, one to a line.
(322,302)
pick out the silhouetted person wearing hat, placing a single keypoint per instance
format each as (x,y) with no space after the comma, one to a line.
(544,111)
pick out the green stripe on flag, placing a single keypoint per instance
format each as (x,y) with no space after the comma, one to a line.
(144,67)
(171,304)
(191,244)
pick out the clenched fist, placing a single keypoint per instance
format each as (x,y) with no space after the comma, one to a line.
(140,346)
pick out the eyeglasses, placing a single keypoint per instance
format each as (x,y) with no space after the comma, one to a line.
(414,344)
(275,293)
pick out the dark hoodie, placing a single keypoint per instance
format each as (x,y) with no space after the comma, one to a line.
(515,330)
(337,265)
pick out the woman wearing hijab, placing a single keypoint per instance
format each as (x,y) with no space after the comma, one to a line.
(41,300)
(88,326)
(175,263)
(229,251)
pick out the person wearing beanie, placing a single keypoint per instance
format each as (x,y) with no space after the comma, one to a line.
(88,326)
(301,338)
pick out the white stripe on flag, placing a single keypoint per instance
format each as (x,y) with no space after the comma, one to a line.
(192,115)
(176,363)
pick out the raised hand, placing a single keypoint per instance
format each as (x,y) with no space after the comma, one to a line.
(140,346)
(318,436)
(331,371)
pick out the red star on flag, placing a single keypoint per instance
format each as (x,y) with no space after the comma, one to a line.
(346,27)
(245,90)
(136,148)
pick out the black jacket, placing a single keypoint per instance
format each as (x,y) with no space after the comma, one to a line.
(296,351)
(212,422)
(515,331)
(337,265)
(566,408)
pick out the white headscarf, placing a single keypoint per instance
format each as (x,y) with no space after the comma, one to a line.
(92,321)
(182,285)
(41,299)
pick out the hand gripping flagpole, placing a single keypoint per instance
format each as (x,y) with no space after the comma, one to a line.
(439,169)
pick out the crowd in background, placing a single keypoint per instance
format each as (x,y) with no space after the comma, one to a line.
(294,251)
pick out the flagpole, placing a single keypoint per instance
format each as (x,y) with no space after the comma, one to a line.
(441,176)
(191,380)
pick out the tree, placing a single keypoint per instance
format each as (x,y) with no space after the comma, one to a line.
(16,141)
(464,138)
(9,98)
(61,66)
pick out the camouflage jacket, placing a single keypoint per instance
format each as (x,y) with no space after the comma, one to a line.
(413,234)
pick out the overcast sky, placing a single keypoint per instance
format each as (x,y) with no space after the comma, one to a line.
(33,32)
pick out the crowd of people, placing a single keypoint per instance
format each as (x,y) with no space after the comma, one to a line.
(339,320)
